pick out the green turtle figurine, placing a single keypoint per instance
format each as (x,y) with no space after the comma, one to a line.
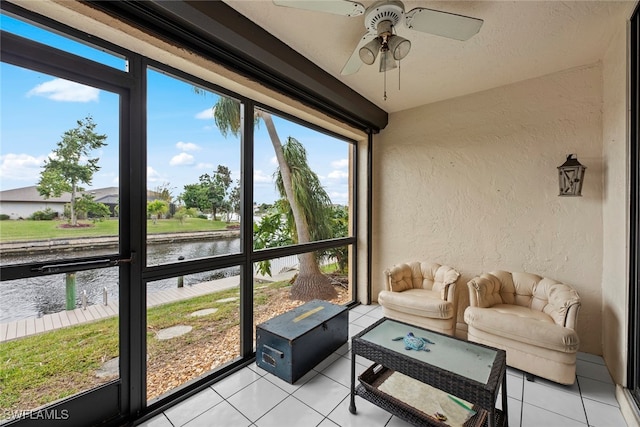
(412,342)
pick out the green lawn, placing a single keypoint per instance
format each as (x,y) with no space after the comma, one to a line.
(20,230)
(39,369)
(42,368)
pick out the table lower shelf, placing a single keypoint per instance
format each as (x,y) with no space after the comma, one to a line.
(397,394)
(479,420)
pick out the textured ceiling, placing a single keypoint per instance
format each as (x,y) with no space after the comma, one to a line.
(518,40)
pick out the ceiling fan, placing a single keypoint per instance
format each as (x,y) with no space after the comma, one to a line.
(381,20)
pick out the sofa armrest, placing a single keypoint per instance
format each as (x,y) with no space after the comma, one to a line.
(484,291)
(445,280)
(448,292)
(571,320)
(387,280)
(563,306)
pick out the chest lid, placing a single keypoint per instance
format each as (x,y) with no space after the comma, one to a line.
(301,319)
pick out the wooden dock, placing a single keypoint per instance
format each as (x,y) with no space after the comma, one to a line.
(48,322)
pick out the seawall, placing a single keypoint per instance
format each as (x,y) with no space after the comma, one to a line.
(105,242)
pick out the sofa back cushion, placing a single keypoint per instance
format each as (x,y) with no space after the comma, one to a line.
(517,289)
(524,289)
(421,275)
(537,293)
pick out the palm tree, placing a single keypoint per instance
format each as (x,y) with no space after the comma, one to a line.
(314,204)
(310,282)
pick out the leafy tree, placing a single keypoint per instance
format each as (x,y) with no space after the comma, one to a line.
(210,194)
(234,201)
(264,207)
(340,228)
(70,167)
(195,196)
(270,232)
(310,283)
(216,186)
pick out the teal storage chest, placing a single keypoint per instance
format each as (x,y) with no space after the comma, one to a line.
(290,345)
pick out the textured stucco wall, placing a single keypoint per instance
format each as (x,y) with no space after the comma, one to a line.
(615,205)
(472,182)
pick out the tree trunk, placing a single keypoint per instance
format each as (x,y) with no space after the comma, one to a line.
(74,219)
(310,282)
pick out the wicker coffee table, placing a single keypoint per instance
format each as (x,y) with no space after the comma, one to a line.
(458,368)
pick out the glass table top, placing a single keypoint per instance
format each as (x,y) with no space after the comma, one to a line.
(460,357)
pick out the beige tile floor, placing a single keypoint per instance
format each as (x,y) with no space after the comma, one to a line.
(254,397)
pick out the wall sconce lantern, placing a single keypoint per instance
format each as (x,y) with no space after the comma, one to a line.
(571,176)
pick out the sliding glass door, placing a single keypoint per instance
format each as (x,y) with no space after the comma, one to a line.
(63,270)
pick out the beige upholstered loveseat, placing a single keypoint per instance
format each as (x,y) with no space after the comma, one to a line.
(422,294)
(532,318)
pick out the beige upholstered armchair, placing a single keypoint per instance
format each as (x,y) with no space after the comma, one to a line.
(422,294)
(531,317)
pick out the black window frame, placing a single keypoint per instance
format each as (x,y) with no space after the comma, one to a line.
(130,388)
(633,356)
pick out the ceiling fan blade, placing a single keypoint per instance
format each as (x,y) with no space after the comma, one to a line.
(338,7)
(354,62)
(443,24)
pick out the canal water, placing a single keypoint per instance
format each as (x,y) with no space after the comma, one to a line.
(34,297)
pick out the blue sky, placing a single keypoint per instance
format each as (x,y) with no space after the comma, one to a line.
(183,141)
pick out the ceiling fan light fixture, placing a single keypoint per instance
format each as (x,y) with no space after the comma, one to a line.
(399,47)
(386,61)
(369,52)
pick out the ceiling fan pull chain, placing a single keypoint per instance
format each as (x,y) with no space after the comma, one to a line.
(399,70)
(385,84)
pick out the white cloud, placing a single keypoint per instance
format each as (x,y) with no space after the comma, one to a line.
(182,159)
(339,198)
(22,167)
(204,166)
(274,160)
(259,176)
(205,114)
(66,91)
(153,175)
(340,164)
(187,146)
(338,175)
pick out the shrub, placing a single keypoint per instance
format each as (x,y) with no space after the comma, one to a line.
(46,215)
(4,217)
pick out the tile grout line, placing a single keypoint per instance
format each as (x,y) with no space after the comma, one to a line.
(586,417)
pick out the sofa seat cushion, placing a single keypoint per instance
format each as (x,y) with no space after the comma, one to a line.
(524,325)
(419,302)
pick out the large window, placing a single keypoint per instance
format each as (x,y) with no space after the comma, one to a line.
(302,194)
(192,329)
(148,221)
(193,173)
